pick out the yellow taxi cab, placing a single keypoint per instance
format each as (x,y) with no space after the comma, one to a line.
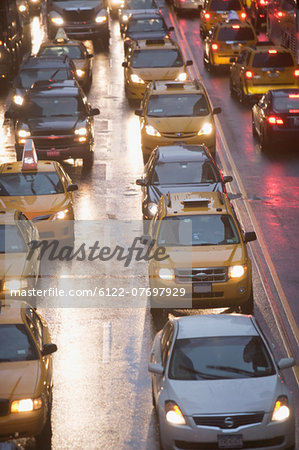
(18,269)
(260,68)
(174,112)
(215,11)
(42,190)
(207,254)
(152,59)
(226,40)
(25,372)
(74,50)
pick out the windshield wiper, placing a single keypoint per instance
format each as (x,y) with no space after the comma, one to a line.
(233,370)
(201,374)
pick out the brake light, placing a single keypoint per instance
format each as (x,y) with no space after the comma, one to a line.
(275,120)
(207,16)
(296,73)
(236,27)
(243,15)
(264,2)
(215,47)
(280,14)
(272,51)
(248,74)
(294,111)
(293,95)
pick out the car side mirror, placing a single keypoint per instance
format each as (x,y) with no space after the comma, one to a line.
(158,369)
(189,62)
(227,179)
(72,187)
(216,110)
(139,112)
(125,64)
(170,28)
(94,112)
(286,363)
(48,349)
(141,182)
(250,236)
(90,55)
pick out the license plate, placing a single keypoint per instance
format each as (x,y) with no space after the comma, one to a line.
(202,288)
(230,441)
(273,75)
(53,153)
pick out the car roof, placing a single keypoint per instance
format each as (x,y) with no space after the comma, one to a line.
(16,167)
(174,87)
(210,325)
(11,311)
(153,44)
(180,152)
(41,62)
(194,203)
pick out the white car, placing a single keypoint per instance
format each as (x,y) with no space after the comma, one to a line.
(216,385)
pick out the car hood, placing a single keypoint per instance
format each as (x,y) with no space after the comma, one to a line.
(177,124)
(224,396)
(38,205)
(156,191)
(212,255)
(12,265)
(54,124)
(96,5)
(19,379)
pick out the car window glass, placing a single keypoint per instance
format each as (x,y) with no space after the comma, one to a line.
(166,340)
(44,106)
(279,59)
(180,105)
(233,34)
(286,103)
(192,172)
(72,51)
(39,183)
(156,58)
(140,25)
(16,344)
(27,77)
(34,330)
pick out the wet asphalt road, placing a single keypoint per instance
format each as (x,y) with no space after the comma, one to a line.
(102,392)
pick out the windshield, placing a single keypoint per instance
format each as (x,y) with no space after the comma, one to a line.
(197,230)
(27,77)
(279,59)
(23,184)
(235,34)
(224,357)
(72,51)
(225,5)
(16,344)
(11,240)
(184,173)
(288,103)
(145,25)
(157,58)
(44,106)
(180,105)
(140,4)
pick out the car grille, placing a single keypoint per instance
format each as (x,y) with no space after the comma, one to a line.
(79,16)
(264,443)
(179,135)
(210,275)
(4,407)
(57,142)
(236,420)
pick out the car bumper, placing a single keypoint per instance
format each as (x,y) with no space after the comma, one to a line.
(22,424)
(259,90)
(264,436)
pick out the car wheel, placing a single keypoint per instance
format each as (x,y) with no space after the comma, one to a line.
(254,132)
(248,306)
(88,160)
(231,88)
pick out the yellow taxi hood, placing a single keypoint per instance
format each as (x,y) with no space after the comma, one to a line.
(19,379)
(33,206)
(205,256)
(12,264)
(176,124)
(158,73)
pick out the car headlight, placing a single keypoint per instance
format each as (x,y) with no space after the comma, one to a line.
(57,20)
(61,215)
(81,131)
(18,99)
(136,79)
(23,133)
(22,8)
(181,77)
(236,271)
(207,128)
(26,405)
(151,131)
(125,18)
(166,274)
(152,208)
(80,73)
(15,285)
(173,414)
(101,19)
(281,409)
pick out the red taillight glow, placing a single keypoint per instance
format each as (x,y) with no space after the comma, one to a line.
(215,47)
(273,120)
(248,74)
(243,15)
(236,27)
(264,2)
(207,16)
(296,73)
(293,95)
(280,14)
(294,111)
(272,51)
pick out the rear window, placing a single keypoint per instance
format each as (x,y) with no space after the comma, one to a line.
(279,59)
(236,34)
(225,5)
(289,103)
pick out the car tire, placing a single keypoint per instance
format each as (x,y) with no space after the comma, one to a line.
(248,306)
(254,132)
(88,160)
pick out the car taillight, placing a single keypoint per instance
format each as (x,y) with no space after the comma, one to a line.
(248,74)
(296,73)
(236,27)
(215,47)
(243,15)
(273,120)
(272,51)
(207,16)
(264,2)
(294,111)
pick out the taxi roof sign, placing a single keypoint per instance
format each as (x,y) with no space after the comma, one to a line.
(29,160)
(61,36)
